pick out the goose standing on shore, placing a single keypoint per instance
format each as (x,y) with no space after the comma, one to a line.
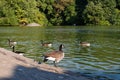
(48,44)
(55,56)
(11,43)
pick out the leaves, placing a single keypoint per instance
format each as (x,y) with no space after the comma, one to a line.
(16,11)
(60,12)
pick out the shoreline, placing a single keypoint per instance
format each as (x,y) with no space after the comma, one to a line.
(17,67)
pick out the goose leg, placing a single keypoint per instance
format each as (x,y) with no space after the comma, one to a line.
(55,63)
(13,48)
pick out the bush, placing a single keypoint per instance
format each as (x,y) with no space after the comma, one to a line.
(104,23)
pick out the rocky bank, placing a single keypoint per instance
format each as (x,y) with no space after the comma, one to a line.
(17,67)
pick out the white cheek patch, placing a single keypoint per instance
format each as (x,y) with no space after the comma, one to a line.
(51,58)
(88,44)
(15,42)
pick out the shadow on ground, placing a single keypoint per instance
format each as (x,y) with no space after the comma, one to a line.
(25,73)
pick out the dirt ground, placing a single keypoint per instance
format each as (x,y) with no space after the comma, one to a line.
(17,67)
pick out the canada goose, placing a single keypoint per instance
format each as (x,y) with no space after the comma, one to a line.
(17,52)
(55,56)
(85,44)
(11,43)
(48,44)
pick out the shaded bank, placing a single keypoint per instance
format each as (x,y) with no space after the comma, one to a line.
(16,67)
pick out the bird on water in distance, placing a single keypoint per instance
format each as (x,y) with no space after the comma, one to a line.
(55,56)
(85,44)
(12,43)
(47,44)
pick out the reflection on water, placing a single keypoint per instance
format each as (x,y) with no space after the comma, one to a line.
(101,60)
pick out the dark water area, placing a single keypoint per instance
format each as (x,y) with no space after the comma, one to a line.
(101,60)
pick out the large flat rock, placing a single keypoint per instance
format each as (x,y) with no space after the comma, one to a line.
(16,67)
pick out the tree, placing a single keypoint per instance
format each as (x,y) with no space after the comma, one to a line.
(15,12)
(80,6)
(115,18)
(69,14)
(58,11)
(94,14)
(99,12)
(118,4)
(7,14)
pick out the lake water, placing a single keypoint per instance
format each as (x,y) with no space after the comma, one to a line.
(101,60)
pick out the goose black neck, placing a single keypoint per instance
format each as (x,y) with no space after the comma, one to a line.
(9,40)
(60,48)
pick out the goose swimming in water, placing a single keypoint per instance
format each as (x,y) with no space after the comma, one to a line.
(85,44)
(48,44)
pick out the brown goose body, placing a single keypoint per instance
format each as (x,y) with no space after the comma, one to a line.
(55,56)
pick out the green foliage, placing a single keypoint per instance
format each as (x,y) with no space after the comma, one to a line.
(80,6)
(118,4)
(16,11)
(7,14)
(100,12)
(93,13)
(104,23)
(60,12)
(115,18)
(70,14)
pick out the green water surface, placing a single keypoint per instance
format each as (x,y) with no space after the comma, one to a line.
(101,60)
